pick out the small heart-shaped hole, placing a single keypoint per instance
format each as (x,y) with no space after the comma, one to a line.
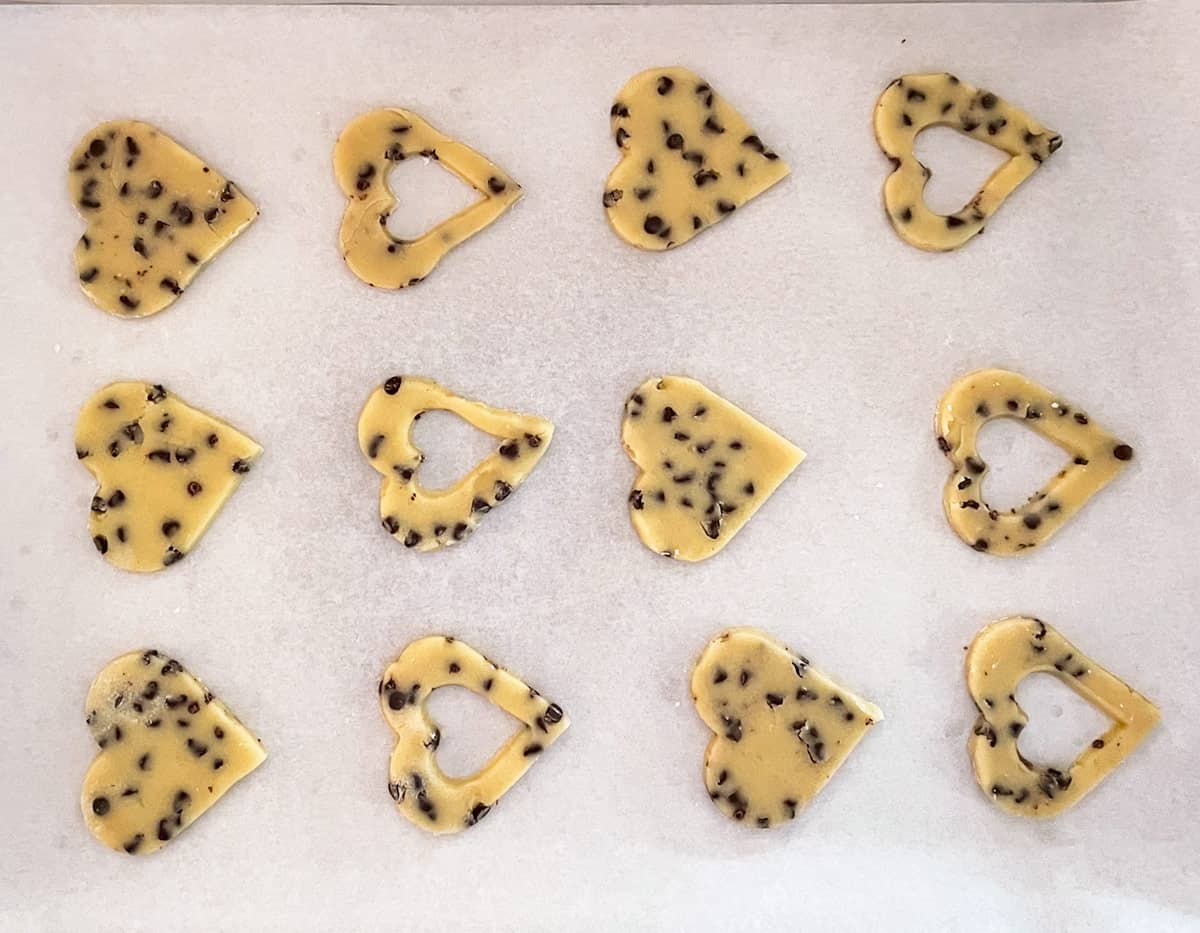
(451,447)
(1020,461)
(960,166)
(426,194)
(1061,724)
(472,729)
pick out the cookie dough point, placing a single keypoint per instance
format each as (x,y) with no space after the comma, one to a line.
(781,728)
(917,101)
(421,790)
(426,519)
(169,750)
(704,466)
(688,159)
(973,400)
(1000,657)
(364,155)
(156,215)
(164,470)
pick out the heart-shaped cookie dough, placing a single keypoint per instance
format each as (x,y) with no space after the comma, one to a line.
(427,519)
(1000,657)
(156,215)
(975,399)
(364,155)
(915,102)
(688,159)
(704,466)
(164,469)
(781,728)
(168,751)
(425,794)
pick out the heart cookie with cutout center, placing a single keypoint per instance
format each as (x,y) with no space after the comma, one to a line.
(704,466)
(688,160)
(1000,657)
(363,156)
(156,215)
(425,519)
(425,794)
(169,750)
(973,400)
(916,102)
(781,728)
(164,470)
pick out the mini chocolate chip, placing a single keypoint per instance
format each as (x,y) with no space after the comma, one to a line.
(128,302)
(412,539)
(510,450)
(532,749)
(674,141)
(241,466)
(88,274)
(1032,521)
(495,185)
(1123,452)
(101,806)
(653,224)
(665,84)
(101,543)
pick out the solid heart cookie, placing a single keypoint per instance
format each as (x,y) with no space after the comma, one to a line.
(688,159)
(781,728)
(975,399)
(156,215)
(168,751)
(1000,657)
(704,466)
(368,148)
(164,469)
(915,102)
(427,519)
(422,791)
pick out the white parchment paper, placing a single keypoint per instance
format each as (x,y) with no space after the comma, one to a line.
(804,307)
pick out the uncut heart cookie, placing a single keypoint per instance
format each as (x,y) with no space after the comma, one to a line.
(781,728)
(427,519)
(164,470)
(156,215)
(688,159)
(704,466)
(169,750)
(422,792)
(1000,657)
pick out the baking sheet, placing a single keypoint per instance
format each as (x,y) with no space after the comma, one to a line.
(804,307)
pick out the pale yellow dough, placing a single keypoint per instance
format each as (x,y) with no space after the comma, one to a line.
(156,214)
(422,791)
(704,466)
(168,751)
(781,727)
(917,101)
(164,469)
(688,159)
(363,157)
(973,400)
(427,519)
(1000,657)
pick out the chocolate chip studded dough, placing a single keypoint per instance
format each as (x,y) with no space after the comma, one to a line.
(164,469)
(915,102)
(427,519)
(688,159)
(977,398)
(781,727)
(704,466)
(422,791)
(156,215)
(362,158)
(169,750)
(1000,657)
